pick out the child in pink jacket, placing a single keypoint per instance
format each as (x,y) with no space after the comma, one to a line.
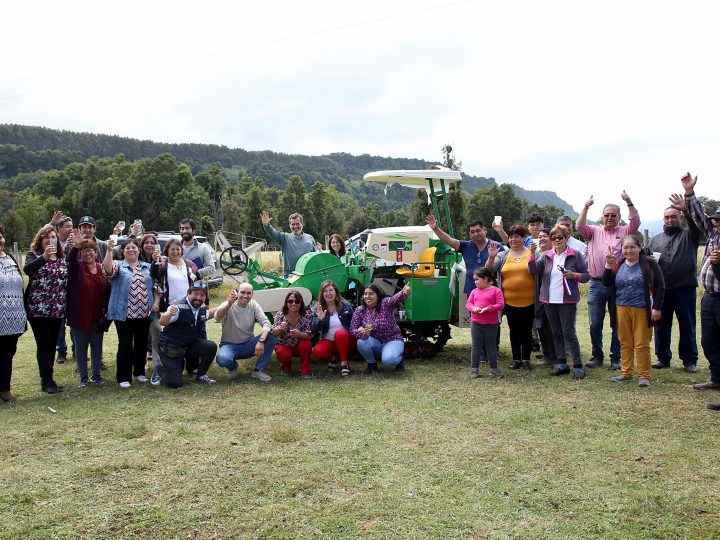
(484,304)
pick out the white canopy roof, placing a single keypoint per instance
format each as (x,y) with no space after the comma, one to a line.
(414,179)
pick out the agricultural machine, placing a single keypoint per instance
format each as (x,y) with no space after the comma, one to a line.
(389,257)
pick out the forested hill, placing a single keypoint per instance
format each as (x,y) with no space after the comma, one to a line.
(26,149)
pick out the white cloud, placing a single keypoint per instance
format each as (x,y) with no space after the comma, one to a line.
(560,95)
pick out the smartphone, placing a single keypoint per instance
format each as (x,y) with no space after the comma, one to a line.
(497,220)
(157,248)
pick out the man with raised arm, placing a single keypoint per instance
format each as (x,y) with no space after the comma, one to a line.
(599,237)
(710,278)
(676,248)
(474,252)
(238,316)
(293,245)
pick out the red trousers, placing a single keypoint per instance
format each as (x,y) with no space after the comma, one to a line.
(302,349)
(343,344)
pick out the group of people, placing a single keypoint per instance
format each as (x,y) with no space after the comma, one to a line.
(533,280)
(158,301)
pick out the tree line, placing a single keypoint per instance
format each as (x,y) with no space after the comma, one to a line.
(162,190)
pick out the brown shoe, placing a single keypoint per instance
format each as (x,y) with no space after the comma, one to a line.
(713,406)
(710,385)
(7,396)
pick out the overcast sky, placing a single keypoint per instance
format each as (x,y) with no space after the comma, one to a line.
(572,97)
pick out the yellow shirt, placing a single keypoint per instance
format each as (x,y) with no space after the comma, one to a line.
(518,284)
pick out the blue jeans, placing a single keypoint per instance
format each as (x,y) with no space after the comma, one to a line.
(597,299)
(390,353)
(61,345)
(229,352)
(710,333)
(680,301)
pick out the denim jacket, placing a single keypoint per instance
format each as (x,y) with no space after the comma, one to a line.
(120,289)
(322,327)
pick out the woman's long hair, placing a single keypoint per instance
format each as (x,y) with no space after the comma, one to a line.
(380,294)
(295,295)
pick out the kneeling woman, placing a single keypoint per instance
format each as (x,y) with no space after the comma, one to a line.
(331,321)
(292,330)
(633,280)
(377,333)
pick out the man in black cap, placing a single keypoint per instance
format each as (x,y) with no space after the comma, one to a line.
(184,335)
(87,231)
(710,278)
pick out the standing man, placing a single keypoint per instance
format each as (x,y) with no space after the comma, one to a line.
(474,252)
(677,247)
(87,232)
(577,245)
(184,335)
(710,277)
(599,238)
(199,253)
(292,245)
(536,223)
(238,315)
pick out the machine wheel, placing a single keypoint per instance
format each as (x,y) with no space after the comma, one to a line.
(233,261)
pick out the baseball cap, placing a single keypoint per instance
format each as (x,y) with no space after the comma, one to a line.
(86,220)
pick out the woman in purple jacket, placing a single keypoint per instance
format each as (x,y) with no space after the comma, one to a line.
(560,270)
(378,335)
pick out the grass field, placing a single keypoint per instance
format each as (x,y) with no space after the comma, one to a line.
(426,454)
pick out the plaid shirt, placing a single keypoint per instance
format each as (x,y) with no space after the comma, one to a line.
(708,275)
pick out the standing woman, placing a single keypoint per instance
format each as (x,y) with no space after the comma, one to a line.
(171,278)
(633,279)
(130,306)
(46,299)
(147,247)
(559,271)
(337,246)
(292,330)
(331,321)
(518,288)
(13,319)
(378,335)
(88,293)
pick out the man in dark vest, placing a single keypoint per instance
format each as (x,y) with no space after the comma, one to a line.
(184,335)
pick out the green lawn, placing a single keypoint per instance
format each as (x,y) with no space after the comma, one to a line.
(426,454)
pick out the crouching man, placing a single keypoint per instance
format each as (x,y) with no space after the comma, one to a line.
(238,315)
(183,336)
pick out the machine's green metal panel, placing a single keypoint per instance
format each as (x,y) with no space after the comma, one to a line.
(429,299)
(314,268)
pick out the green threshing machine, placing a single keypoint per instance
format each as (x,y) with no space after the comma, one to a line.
(389,257)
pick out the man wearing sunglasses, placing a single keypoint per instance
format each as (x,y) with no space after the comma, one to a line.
(184,335)
(600,237)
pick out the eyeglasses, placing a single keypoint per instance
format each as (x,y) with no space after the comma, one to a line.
(200,285)
(291,301)
(557,238)
(561,268)
(610,215)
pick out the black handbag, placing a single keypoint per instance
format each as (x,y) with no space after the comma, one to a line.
(104,323)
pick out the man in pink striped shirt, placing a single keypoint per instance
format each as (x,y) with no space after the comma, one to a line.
(599,237)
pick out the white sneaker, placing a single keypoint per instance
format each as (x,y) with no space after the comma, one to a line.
(141,378)
(233,374)
(155,379)
(125,384)
(261,376)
